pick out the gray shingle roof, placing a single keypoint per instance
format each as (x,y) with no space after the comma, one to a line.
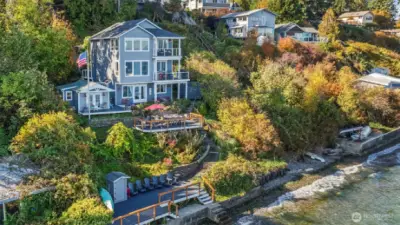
(113,176)
(73,86)
(380,79)
(245,13)
(353,14)
(163,33)
(116,29)
(288,26)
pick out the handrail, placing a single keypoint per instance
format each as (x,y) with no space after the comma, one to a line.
(167,51)
(166,76)
(137,212)
(197,116)
(207,182)
(191,116)
(179,189)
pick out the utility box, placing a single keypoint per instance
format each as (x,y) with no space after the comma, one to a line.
(117,183)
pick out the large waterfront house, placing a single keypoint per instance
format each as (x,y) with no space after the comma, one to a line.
(131,62)
(357,18)
(303,34)
(260,20)
(208,6)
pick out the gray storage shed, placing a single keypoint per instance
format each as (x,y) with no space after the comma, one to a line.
(116,185)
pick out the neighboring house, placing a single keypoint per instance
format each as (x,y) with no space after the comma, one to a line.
(394,32)
(240,23)
(357,18)
(303,34)
(208,6)
(378,80)
(131,62)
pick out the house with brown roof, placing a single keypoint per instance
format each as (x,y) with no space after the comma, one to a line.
(357,18)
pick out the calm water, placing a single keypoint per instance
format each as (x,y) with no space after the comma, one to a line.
(374,200)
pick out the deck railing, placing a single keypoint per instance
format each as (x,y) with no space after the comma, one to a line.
(153,207)
(208,186)
(167,52)
(168,123)
(174,191)
(169,76)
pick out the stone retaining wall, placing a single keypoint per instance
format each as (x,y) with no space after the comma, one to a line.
(191,215)
(191,169)
(108,122)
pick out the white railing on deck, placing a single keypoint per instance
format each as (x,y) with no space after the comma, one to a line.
(167,76)
(167,52)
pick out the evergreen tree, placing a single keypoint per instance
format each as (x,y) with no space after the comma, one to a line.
(288,10)
(329,26)
(316,9)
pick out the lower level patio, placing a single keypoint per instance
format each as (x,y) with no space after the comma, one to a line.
(144,208)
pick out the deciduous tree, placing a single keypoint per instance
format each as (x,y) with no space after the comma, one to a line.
(329,26)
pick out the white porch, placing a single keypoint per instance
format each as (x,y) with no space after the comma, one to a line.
(94,99)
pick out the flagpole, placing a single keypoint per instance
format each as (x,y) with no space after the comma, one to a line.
(88,76)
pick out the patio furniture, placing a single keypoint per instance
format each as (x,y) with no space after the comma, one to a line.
(171,180)
(104,105)
(126,104)
(147,184)
(132,188)
(163,180)
(140,187)
(156,183)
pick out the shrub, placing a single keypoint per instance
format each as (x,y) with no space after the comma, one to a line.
(87,211)
(254,131)
(73,187)
(120,139)
(55,142)
(237,175)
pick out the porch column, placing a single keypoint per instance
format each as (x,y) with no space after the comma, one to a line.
(79,101)
(179,90)
(186,90)
(179,47)
(155,75)
(179,70)
(155,92)
(172,92)
(108,100)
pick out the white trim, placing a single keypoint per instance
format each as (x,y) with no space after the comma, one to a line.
(133,68)
(66,96)
(149,22)
(140,46)
(63,89)
(144,29)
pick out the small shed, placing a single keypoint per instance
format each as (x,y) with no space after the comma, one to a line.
(117,183)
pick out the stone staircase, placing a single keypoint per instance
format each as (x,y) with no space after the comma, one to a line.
(205,198)
(219,215)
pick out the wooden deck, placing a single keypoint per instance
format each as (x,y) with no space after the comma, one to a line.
(179,122)
(147,207)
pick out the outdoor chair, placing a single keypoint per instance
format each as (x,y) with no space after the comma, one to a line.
(171,180)
(140,187)
(163,180)
(156,183)
(147,184)
(132,188)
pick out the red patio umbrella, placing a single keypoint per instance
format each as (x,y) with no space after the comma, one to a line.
(155,107)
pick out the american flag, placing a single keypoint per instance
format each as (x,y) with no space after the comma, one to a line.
(82,60)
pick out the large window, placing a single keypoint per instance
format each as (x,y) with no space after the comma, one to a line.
(136,68)
(136,44)
(162,88)
(136,92)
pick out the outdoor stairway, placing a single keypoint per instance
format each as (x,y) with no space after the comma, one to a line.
(204,198)
(220,215)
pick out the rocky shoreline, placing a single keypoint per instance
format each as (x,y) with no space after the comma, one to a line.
(326,184)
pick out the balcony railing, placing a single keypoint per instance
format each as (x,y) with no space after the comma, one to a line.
(167,52)
(167,76)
